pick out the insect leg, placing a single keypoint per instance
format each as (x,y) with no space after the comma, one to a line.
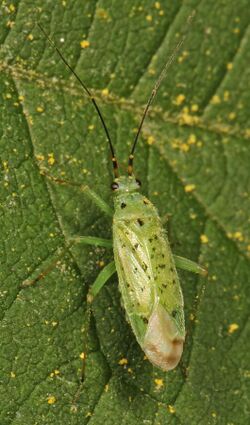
(189,265)
(91,240)
(87,240)
(91,194)
(94,289)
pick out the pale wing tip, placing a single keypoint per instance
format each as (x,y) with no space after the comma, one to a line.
(165,360)
(163,343)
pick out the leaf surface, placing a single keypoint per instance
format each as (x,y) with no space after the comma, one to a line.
(193,160)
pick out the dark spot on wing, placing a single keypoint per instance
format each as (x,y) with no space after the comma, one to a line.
(123,205)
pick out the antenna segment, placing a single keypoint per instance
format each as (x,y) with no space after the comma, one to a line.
(155,90)
(88,92)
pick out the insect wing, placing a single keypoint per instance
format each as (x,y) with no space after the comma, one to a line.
(150,288)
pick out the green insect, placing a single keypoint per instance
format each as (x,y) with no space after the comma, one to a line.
(146,268)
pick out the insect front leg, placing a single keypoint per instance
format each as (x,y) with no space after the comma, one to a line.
(91,194)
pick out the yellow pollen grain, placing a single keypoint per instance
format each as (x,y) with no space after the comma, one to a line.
(193,216)
(226,95)
(204,239)
(157,5)
(102,14)
(151,71)
(51,159)
(159,382)
(214,414)
(21,98)
(5,165)
(189,188)
(10,24)
(150,140)
(91,127)
(8,96)
(51,399)
(12,374)
(192,316)
(84,44)
(184,147)
(82,356)
(192,139)
(171,409)
(12,7)
(40,157)
(232,116)
(238,236)
(101,263)
(179,99)
(54,323)
(194,107)
(88,415)
(161,12)
(40,109)
(232,328)
(215,99)
(123,361)
(188,119)
(30,37)
(106,388)
(229,66)
(149,18)
(105,92)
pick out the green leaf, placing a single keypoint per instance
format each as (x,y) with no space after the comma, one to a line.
(193,160)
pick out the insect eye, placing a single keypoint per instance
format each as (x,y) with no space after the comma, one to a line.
(138,182)
(114,186)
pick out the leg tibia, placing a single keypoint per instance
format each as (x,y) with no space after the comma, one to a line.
(189,265)
(91,240)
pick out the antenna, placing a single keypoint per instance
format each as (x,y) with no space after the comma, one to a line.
(86,90)
(155,90)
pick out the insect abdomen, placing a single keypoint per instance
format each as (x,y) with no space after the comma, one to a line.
(148,281)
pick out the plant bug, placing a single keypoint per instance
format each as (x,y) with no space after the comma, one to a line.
(146,268)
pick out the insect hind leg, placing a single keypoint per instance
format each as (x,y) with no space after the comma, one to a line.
(94,289)
(189,265)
